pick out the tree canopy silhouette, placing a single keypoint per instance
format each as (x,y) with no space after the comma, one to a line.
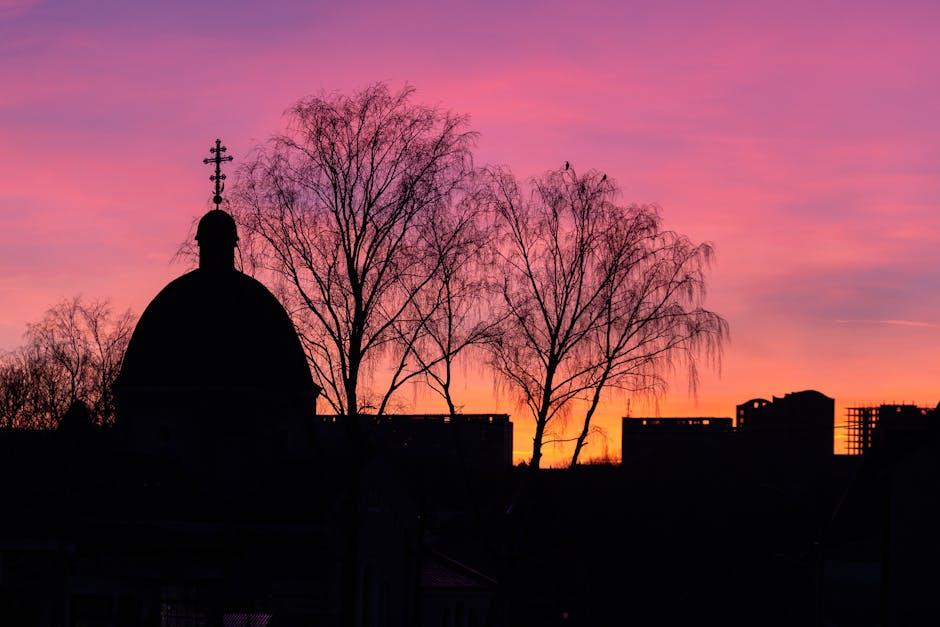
(73,353)
(455,314)
(348,210)
(597,295)
(392,253)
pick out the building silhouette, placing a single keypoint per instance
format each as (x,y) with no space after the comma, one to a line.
(215,381)
(803,420)
(852,534)
(666,448)
(786,442)
(475,443)
(221,497)
(863,424)
(880,548)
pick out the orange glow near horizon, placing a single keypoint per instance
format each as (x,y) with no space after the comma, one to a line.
(803,141)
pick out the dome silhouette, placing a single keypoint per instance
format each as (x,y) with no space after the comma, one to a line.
(217,327)
(214,329)
(217,225)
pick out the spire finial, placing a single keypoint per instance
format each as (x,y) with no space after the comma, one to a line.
(218,177)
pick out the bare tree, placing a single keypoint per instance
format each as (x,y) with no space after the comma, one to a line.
(15,389)
(73,353)
(651,313)
(343,211)
(454,314)
(595,295)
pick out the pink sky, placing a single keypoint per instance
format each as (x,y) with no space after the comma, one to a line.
(803,140)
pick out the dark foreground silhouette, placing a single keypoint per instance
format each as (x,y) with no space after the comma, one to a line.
(220,497)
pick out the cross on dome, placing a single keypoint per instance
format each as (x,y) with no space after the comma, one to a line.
(217,233)
(218,177)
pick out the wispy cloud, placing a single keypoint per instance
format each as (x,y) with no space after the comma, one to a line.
(894,323)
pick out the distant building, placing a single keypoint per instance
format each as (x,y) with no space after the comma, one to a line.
(784,442)
(880,548)
(788,441)
(803,420)
(670,427)
(866,423)
(658,448)
(466,442)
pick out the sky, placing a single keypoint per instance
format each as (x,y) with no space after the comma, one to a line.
(801,138)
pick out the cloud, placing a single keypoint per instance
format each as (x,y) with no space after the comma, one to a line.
(894,323)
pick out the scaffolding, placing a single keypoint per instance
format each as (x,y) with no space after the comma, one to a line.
(861,425)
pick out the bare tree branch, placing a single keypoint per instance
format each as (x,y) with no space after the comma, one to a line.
(73,353)
(339,209)
(596,296)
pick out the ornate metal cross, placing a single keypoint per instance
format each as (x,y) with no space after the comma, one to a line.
(218,177)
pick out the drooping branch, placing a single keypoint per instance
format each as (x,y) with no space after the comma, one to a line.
(596,296)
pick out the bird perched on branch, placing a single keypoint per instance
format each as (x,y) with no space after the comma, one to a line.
(567,165)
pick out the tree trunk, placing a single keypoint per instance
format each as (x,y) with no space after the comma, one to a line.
(445,387)
(579,444)
(542,418)
(537,444)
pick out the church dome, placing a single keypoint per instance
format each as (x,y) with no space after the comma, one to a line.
(217,327)
(217,224)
